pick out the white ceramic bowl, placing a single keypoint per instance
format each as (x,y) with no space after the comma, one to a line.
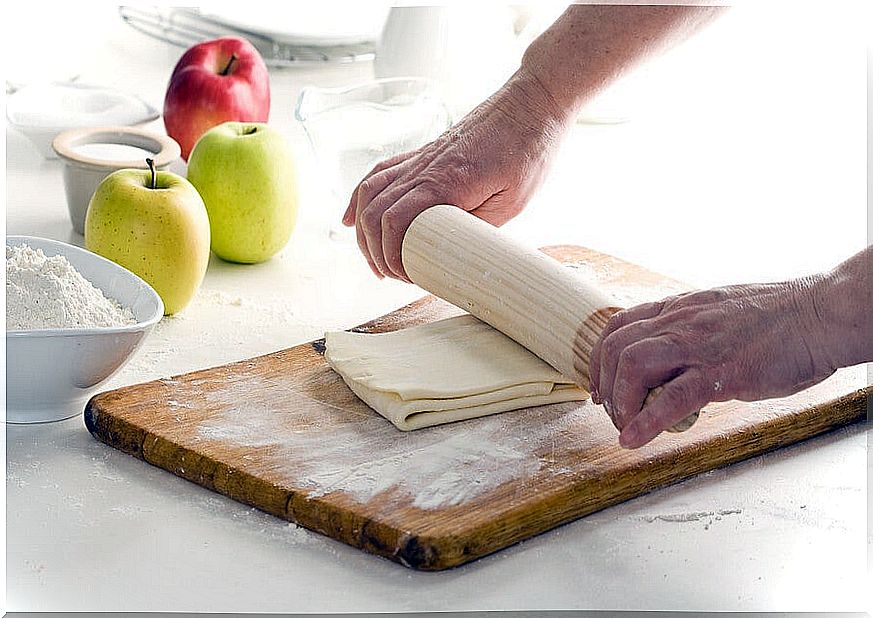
(50,374)
(41,111)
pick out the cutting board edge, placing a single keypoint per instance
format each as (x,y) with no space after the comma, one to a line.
(427,552)
(852,408)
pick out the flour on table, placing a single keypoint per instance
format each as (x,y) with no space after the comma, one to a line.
(364,457)
(48,292)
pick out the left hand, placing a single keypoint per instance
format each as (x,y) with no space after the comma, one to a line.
(489,164)
(743,342)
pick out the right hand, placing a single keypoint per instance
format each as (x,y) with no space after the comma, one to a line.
(489,164)
(745,342)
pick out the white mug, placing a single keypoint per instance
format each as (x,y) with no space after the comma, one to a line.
(470,50)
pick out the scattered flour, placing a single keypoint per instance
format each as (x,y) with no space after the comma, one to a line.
(694,516)
(366,457)
(48,292)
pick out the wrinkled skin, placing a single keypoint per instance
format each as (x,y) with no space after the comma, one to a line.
(489,163)
(492,161)
(744,342)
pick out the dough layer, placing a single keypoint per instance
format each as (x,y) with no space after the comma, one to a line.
(445,371)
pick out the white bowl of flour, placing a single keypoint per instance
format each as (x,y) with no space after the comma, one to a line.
(73,319)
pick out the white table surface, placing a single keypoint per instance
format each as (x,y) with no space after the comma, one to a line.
(743,160)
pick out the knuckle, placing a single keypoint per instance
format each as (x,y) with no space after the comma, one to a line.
(615,321)
(677,301)
(712,296)
(709,323)
(702,297)
(610,349)
(630,361)
(679,339)
(392,225)
(445,174)
(435,186)
(682,395)
(651,351)
(388,220)
(371,219)
(654,307)
(365,187)
(382,165)
(463,168)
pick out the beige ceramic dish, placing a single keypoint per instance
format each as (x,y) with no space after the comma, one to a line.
(83,171)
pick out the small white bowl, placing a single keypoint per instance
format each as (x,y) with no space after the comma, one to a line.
(41,111)
(51,373)
(83,171)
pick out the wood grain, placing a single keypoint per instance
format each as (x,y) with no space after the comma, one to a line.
(283,433)
(522,292)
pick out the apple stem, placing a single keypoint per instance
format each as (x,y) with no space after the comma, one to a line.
(226,69)
(151,164)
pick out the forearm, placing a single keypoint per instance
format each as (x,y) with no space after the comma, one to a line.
(840,312)
(590,46)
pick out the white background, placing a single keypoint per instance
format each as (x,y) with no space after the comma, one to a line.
(743,159)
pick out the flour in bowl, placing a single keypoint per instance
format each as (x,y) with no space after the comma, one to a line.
(48,292)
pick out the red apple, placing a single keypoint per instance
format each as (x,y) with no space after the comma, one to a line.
(213,82)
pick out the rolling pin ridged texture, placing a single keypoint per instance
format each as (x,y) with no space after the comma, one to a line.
(517,289)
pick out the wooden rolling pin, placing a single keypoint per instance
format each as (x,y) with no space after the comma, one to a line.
(518,290)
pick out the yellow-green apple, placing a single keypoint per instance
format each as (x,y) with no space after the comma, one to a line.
(245,173)
(154,224)
(213,82)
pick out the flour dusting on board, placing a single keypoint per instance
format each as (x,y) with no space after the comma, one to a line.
(438,467)
(446,472)
(362,456)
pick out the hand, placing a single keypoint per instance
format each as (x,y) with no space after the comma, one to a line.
(743,342)
(489,164)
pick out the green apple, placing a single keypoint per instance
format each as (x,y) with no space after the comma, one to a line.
(245,173)
(155,225)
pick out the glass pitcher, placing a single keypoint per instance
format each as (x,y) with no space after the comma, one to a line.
(351,129)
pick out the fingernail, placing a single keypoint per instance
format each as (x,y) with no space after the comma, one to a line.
(595,396)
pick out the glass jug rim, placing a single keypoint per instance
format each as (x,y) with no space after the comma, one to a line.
(309,94)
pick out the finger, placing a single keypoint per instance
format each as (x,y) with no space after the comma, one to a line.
(681,396)
(362,245)
(350,215)
(614,345)
(374,182)
(370,222)
(399,217)
(645,311)
(642,366)
(396,221)
(618,320)
(368,189)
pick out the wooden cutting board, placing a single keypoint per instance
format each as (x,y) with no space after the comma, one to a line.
(283,433)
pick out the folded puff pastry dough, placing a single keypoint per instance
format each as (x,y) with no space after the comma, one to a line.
(445,371)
